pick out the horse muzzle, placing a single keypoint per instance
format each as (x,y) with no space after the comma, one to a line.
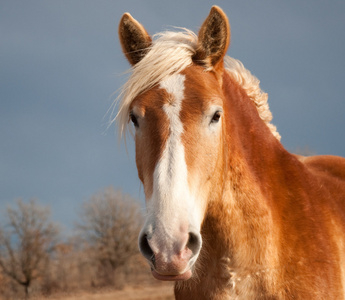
(171,258)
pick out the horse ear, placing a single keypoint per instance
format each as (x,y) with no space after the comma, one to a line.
(213,38)
(134,39)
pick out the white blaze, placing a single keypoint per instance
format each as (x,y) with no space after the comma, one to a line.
(172,207)
(171,171)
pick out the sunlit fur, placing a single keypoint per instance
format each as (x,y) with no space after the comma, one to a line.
(251,85)
(272,223)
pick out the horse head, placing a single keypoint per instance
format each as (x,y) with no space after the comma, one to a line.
(174,99)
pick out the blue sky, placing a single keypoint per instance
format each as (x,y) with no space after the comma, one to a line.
(60,63)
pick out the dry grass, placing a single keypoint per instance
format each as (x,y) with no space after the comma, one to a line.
(163,291)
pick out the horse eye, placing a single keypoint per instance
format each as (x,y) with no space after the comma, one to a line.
(216,117)
(134,119)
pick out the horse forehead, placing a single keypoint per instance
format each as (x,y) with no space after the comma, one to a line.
(168,91)
(185,98)
(200,81)
(182,97)
(174,85)
(193,91)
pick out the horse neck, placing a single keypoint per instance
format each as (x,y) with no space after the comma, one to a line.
(241,216)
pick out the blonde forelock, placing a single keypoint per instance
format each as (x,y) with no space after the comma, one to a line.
(170,53)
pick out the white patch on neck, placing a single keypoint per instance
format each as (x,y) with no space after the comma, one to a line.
(172,207)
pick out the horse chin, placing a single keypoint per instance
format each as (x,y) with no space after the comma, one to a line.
(180,277)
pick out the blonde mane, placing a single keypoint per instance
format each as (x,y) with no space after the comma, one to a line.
(251,85)
(172,52)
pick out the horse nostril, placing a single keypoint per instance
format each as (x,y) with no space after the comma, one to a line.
(145,249)
(194,242)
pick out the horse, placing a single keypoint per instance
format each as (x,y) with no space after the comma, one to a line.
(230,213)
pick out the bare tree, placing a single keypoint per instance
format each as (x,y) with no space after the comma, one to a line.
(26,241)
(110,222)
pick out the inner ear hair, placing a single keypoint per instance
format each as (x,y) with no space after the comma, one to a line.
(213,38)
(134,39)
